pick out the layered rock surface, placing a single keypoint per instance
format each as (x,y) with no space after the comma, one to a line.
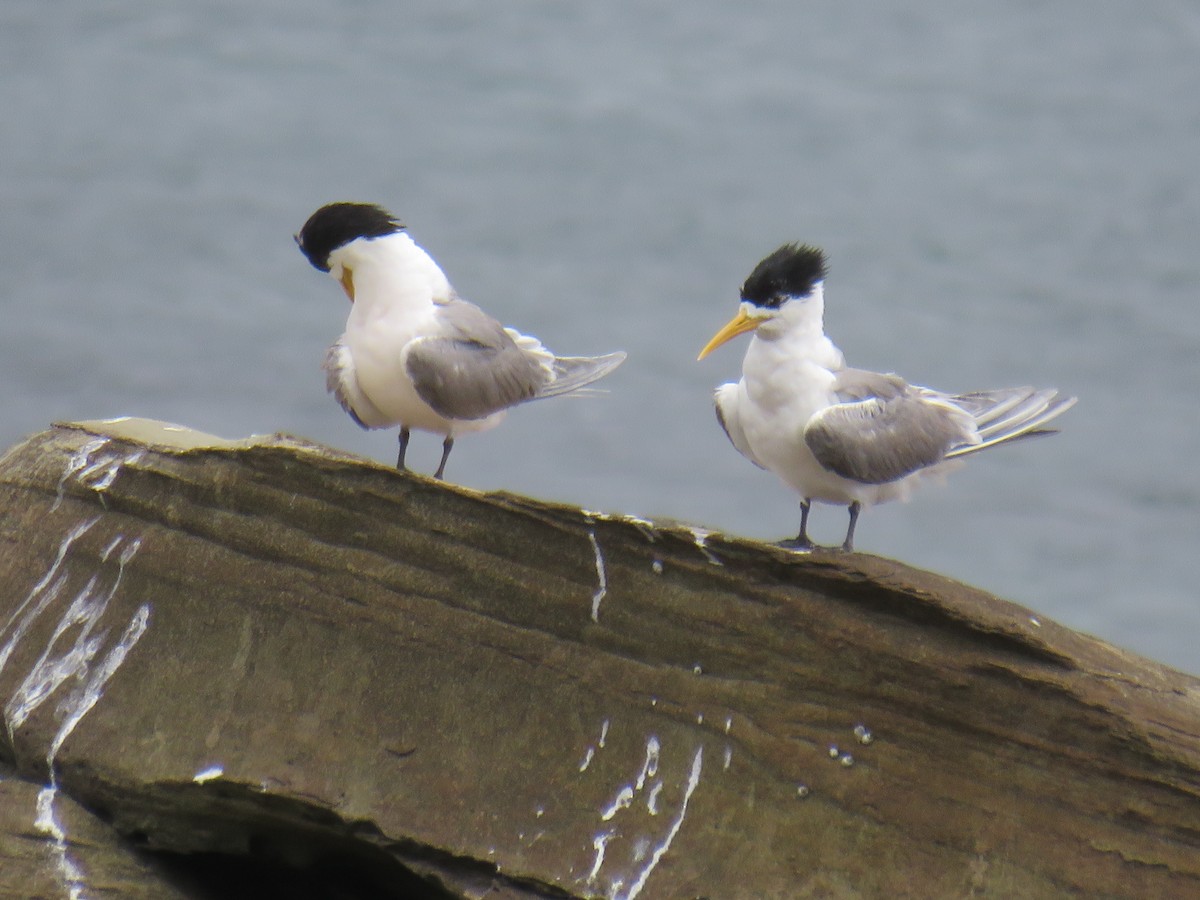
(286,663)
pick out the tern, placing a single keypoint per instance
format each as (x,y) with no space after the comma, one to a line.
(841,435)
(414,354)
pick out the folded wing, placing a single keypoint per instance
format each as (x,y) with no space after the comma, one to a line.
(473,368)
(886,429)
(476,367)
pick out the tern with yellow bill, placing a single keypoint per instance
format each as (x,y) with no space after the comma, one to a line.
(840,435)
(414,354)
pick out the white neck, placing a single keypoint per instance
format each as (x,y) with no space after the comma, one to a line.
(391,275)
(794,337)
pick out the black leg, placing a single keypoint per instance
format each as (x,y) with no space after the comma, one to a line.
(805,509)
(403,449)
(855,508)
(447,445)
(802,540)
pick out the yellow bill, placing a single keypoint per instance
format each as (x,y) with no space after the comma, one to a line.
(739,324)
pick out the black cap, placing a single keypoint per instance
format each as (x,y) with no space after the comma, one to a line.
(337,224)
(791,271)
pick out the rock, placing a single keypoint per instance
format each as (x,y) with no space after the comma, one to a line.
(267,653)
(48,845)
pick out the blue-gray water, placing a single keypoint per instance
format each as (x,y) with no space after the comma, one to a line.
(1007,194)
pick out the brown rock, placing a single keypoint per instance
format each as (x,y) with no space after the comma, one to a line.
(49,845)
(268,649)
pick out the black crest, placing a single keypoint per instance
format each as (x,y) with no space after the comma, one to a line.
(791,271)
(337,224)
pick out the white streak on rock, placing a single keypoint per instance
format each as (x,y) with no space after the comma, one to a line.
(652,798)
(599,843)
(661,849)
(650,766)
(601,575)
(47,676)
(39,591)
(106,468)
(81,702)
(587,759)
(69,872)
(645,526)
(79,460)
(700,539)
(210,774)
(623,800)
(49,672)
(97,475)
(590,754)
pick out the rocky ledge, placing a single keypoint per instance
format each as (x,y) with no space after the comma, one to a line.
(265,668)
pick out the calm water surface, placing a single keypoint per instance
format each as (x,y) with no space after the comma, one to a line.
(1006,195)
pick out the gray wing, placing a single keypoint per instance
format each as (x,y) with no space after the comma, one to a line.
(862,384)
(473,368)
(887,430)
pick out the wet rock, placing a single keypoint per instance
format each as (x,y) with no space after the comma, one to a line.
(49,846)
(268,653)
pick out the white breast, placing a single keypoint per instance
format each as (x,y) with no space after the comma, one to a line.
(785,381)
(397,289)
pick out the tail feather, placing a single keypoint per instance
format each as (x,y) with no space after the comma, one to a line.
(574,372)
(1016,413)
(987,406)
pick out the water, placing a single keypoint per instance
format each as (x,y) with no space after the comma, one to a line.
(1006,194)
